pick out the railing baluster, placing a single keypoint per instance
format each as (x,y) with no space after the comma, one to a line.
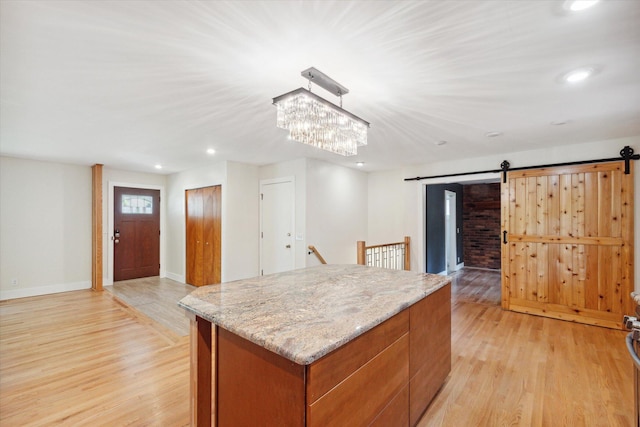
(392,255)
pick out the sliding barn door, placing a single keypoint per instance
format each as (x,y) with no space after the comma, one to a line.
(568,243)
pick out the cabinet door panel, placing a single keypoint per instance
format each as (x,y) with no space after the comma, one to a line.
(193,211)
(211,235)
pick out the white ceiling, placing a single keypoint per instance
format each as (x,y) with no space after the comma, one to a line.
(133,83)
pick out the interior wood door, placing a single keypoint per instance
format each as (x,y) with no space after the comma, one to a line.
(568,243)
(136,234)
(203,235)
(211,234)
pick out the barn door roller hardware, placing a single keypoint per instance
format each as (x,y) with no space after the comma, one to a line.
(626,154)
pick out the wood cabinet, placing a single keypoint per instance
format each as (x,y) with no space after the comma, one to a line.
(203,235)
(387,376)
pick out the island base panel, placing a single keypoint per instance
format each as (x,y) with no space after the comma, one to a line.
(201,371)
(430,358)
(254,384)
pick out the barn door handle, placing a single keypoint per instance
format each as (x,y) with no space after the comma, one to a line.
(504,237)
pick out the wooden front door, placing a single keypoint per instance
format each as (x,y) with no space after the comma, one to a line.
(203,235)
(136,234)
(568,243)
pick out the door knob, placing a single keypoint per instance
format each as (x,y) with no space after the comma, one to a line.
(116,241)
(288,246)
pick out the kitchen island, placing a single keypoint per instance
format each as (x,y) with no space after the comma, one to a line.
(326,345)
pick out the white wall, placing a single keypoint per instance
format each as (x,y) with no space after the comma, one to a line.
(241,223)
(298,170)
(410,220)
(386,200)
(120,178)
(45,227)
(336,211)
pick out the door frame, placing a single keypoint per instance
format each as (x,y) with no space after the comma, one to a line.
(451,232)
(281,180)
(108,272)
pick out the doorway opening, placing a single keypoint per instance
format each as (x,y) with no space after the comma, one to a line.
(462,226)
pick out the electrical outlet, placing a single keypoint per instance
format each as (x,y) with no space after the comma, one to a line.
(14,282)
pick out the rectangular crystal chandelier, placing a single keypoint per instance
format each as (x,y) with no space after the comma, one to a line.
(315,121)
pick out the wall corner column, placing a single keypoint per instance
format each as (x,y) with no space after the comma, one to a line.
(96,228)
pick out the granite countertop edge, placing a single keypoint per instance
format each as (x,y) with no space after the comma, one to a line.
(202,309)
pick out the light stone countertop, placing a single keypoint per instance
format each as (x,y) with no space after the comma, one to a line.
(304,314)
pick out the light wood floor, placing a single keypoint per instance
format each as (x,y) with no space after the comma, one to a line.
(512,369)
(84,358)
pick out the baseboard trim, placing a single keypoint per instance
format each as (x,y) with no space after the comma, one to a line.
(482,268)
(176,277)
(7,294)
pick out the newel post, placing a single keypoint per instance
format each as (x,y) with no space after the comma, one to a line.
(361,247)
(407,253)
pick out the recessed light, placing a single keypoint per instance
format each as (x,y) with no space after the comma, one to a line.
(578,75)
(440,142)
(578,5)
(492,134)
(211,151)
(158,166)
(360,164)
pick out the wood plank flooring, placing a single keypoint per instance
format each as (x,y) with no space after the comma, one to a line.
(84,358)
(512,369)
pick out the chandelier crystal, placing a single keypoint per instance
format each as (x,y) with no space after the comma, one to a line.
(315,121)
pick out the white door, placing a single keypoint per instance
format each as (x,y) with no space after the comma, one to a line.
(277,242)
(450,231)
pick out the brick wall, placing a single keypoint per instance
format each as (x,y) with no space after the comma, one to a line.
(481,227)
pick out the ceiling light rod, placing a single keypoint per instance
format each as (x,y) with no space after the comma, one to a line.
(324,81)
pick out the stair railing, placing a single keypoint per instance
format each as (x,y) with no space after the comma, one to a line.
(389,255)
(312,249)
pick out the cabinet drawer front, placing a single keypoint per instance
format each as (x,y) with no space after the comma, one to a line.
(362,396)
(327,372)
